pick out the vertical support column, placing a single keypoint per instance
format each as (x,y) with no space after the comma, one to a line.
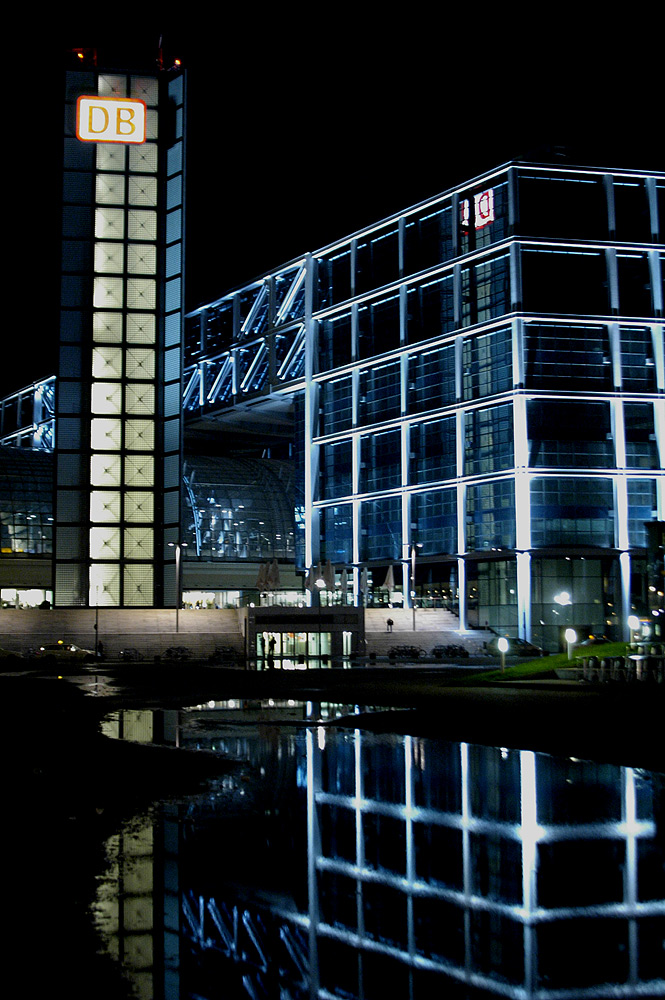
(529,837)
(313,852)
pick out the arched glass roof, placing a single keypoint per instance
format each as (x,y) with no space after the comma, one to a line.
(26,502)
(239,508)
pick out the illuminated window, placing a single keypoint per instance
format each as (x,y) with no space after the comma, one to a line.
(107,362)
(139,470)
(141,328)
(151,125)
(112,85)
(144,88)
(106,397)
(108,293)
(110,189)
(105,470)
(109,257)
(107,326)
(138,543)
(105,434)
(109,223)
(105,543)
(139,506)
(141,224)
(141,293)
(139,435)
(140,399)
(142,190)
(141,259)
(138,585)
(111,156)
(143,159)
(140,364)
(105,506)
(104,585)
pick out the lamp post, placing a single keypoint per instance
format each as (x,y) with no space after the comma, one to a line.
(414,546)
(571,639)
(177,546)
(633,625)
(96,623)
(502,646)
(320,585)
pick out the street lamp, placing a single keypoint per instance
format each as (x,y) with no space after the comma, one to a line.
(633,625)
(414,546)
(571,639)
(320,584)
(502,646)
(178,589)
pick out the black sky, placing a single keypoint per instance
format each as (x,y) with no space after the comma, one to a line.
(303,130)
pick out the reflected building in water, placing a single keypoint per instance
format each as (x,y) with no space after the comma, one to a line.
(335,862)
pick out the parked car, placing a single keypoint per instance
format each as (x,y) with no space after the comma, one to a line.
(65,651)
(516,647)
(594,640)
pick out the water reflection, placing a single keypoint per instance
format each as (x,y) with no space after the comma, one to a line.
(333,863)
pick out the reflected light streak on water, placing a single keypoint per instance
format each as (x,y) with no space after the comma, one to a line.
(339,863)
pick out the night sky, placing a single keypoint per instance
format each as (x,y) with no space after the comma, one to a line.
(301,131)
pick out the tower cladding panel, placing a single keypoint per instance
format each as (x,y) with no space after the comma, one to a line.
(118,449)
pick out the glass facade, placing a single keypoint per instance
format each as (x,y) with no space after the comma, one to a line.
(483,381)
(480,378)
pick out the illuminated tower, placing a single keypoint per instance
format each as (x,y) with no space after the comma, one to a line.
(119,370)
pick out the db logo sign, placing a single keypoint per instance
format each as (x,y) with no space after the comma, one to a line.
(110,119)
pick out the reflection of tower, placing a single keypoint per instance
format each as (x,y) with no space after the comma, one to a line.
(119,372)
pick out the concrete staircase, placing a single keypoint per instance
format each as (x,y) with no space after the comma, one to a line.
(151,631)
(434,627)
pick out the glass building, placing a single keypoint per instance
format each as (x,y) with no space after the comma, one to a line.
(478,382)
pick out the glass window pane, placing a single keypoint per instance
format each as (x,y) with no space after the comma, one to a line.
(105,434)
(139,435)
(108,293)
(109,258)
(141,293)
(105,470)
(104,543)
(105,506)
(109,223)
(143,158)
(107,326)
(138,543)
(140,399)
(142,190)
(107,362)
(141,224)
(141,258)
(140,363)
(141,328)
(139,506)
(111,156)
(106,397)
(139,470)
(110,189)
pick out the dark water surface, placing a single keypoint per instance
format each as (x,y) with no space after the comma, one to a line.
(334,862)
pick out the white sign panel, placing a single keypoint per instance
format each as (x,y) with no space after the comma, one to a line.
(110,119)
